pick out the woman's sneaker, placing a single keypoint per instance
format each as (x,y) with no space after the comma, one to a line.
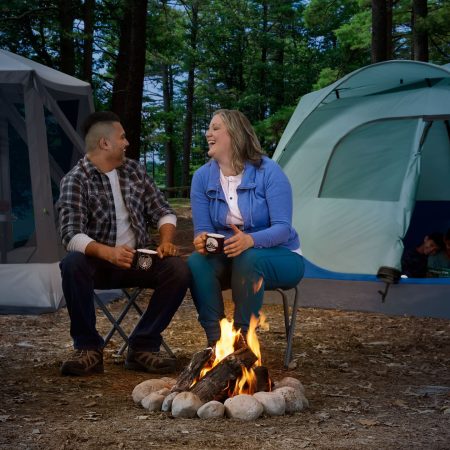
(83,362)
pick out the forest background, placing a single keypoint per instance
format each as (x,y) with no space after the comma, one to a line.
(166,66)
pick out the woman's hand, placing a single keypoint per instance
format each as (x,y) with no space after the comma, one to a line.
(200,243)
(238,243)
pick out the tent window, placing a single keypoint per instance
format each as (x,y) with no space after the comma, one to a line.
(370,162)
(23,226)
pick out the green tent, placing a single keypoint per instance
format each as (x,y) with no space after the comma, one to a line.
(368,158)
(362,155)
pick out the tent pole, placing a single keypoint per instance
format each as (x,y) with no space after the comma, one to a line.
(44,217)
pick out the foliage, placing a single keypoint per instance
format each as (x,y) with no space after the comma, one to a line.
(259,56)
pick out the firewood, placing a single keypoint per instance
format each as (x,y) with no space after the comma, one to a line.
(263,381)
(218,380)
(192,370)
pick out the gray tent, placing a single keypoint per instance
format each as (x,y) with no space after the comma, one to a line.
(40,113)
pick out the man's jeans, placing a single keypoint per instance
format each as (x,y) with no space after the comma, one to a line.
(247,275)
(81,274)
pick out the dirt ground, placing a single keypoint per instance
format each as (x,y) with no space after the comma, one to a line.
(372,381)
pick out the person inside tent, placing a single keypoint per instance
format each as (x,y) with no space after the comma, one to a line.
(245,196)
(439,264)
(105,203)
(415,260)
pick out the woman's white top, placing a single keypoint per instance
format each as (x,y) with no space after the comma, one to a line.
(229,186)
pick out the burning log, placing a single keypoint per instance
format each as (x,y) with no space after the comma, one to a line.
(263,381)
(192,371)
(215,384)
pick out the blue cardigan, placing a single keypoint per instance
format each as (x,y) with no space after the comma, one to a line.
(264,200)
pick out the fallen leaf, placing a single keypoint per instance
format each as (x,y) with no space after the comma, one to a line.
(368,422)
(400,403)
(292,365)
(323,416)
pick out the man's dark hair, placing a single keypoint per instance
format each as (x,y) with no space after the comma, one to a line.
(447,235)
(437,238)
(96,117)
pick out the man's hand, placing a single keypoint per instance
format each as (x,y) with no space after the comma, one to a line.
(238,243)
(167,236)
(167,249)
(200,243)
(121,256)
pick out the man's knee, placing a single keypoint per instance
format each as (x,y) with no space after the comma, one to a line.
(73,262)
(179,270)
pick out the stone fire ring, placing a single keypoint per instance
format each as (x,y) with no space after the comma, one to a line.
(287,397)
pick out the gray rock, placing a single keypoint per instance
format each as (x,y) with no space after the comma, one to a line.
(273,402)
(185,404)
(243,407)
(305,401)
(292,382)
(211,410)
(153,402)
(147,387)
(167,403)
(292,398)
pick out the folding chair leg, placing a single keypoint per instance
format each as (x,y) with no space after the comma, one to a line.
(290,335)
(167,349)
(131,302)
(288,324)
(113,321)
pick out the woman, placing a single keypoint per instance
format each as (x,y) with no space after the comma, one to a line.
(245,196)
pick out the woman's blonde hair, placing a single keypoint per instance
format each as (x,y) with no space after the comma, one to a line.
(244,142)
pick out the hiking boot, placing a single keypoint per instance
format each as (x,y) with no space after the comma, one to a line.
(153,362)
(83,362)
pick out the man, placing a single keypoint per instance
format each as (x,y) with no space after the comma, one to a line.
(104,205)
(415,261)
(440,262)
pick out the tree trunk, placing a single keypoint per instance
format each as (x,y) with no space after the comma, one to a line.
(190,90)
(168,126)
(88,42)
(262,106)
(379,30)
(389,29)
(420,35)
(66,41)
(130,70)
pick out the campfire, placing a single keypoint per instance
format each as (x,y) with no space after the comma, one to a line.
(229,378)
(233,367)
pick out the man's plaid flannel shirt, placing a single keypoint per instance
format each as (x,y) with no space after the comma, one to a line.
(86,203)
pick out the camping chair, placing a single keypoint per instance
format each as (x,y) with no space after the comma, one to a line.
(131,296)
(289,324)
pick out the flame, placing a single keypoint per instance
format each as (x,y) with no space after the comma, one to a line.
(252,339)
(246,384)
(224,346)
(257,285)
(229,338)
